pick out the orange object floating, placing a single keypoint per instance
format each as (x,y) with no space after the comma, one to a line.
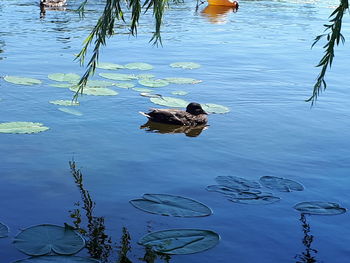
(231,3)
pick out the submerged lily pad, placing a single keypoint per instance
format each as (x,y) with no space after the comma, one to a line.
(185,65)
(4,230)
(57,259)
(65,102)
(139,66)
(153,83)
(142,90)
(97,91)
(145,76)
(110,66)
(179,92)
(257,200)
(43,239)
(170,102)
(237,183)
(215,108)
(281,184)
(61,85)
(124,85)
(22,127)
(320,208)
(183,80)
(116,76)
(171,205)
(22,80)
(180,241)
(70,77)
(70,111)
(150,95)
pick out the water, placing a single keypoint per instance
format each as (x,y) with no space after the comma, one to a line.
(257,62)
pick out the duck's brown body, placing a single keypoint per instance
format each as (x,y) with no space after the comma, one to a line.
(52,3)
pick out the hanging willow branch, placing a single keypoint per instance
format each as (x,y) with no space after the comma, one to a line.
(333,38)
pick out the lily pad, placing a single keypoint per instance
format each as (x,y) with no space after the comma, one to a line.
(22,80)
(153,83)
(281,184)
(320,208)
(100,83)
(179,92)
(57,259)
(65,102)
(237,183)
(257,200)
(171,205)
(70,77)
(215,108)
(71,111)
(145,76)
(116,76)
(170,102)
(150,95)
(183,80)
(185,65)
(139,66)
(61,85)
(180,241)
(109,66)
(22,127)
(124,85)
(97,91)
(43,239)
(142,90)
(4,230)
(230,191)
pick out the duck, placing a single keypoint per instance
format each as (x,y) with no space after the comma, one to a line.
(52,3)
(193,116)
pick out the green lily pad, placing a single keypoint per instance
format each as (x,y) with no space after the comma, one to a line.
(153,83)
(43,239)
(150,95)
(139,66)
(124,85)
(215,108)
(4,230)
(237,183)
(58,259)
(183,80)
(179,92)
(257,200)
(22,127)
(100,83)
(142,90)
(70,77)
(116,76)
(65,102)
(61,85)
(70,111)
(320,208)
(185,65)
(145,76)
(22,80)
(109,66)
(171,205)
(281,184)
(97,91)
(180,241)
(170,102)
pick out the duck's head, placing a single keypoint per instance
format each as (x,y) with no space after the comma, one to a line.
(195,109)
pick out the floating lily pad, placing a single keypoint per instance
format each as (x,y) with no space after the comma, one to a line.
(22,127)
(110,66)
(237,183)
(320,208)
(124,85)
(116,76)
(183,80)
(153,83)
(57,259)
(215,108)
(96,91)
(281,184)
(185,65)
(22,80)
(71,111)
(150,95)
(70,77)
(257,200)
(43,239)
(228,190)
(171,205)
(61,85)
(180,241)
(142,90)
(100,83)
(170,102)
(139,66)
(145,76)
(4,230)
(179,92)
(65,102)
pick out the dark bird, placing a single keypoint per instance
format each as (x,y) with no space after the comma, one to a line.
(52,3)
(193,116)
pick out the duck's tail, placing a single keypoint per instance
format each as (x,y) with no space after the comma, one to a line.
(144,114)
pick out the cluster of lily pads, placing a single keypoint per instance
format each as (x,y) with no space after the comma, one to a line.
(103,88)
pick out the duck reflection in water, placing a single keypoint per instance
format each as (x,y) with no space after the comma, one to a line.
(217,14)
(156,127)
(56,5)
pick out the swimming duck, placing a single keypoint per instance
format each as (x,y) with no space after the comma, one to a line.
(52,3)
(193,116)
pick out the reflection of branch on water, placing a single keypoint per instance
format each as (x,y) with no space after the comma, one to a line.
(306,256)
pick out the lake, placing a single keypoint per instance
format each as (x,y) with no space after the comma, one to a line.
(257,61)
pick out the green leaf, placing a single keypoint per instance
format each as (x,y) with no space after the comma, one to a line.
(70,111)
(124,85)
(61,85)
(280,184)
(179,93)
(139,66)
(185,65)
(100,83)
(183,80)
(180,241)
(109,66)
(57,259)
(65,102)
(170,102)
(171,205)
(153,83)
(43,239)
(142,90)
(145,76)
(97,91)
(4,230)
(215,108)
(22,80)
(22,127)
(116,76)
(319,208)
(70,77)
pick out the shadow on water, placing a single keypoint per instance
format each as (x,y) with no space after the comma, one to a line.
(162,128)
(307,256)
(217,14)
